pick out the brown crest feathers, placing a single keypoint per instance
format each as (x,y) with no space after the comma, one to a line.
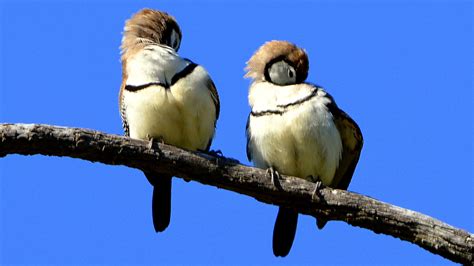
(277,49)
(147,26)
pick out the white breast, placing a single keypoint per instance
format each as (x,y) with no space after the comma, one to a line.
(182,115)
(302,141)
(154,63)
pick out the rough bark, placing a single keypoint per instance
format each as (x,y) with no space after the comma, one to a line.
(332,204)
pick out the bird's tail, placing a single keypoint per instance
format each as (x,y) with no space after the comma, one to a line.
(161,202)
(321,223)
(284,231)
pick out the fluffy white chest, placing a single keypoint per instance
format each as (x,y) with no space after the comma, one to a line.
(296,139)
(182,115)
(154,63)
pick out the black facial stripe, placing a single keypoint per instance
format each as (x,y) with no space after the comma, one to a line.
(186,71)
(274,60)
(133,88)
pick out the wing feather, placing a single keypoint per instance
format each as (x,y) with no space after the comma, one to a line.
(215,96)
(248,136)
(215,100)
(352,142)
(122,108)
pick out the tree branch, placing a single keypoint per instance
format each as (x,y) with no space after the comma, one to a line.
(332,204)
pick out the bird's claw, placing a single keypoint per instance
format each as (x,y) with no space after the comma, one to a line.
(275,177)
(150,141)
(216,153)
(318,185)
(220,156)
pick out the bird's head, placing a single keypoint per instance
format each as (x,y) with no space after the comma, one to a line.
(150,26)
(279,62)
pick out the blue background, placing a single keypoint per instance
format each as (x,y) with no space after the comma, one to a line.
(402,69)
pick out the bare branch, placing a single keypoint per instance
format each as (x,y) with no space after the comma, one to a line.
(332,204)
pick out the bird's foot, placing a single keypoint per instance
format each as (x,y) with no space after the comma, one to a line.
(220,156)
(216,153)
(150,141)
(318,185)
(275,176)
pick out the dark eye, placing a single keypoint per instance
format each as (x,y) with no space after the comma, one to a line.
(290,73)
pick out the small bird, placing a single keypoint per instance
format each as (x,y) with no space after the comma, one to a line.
(164,97)
(296,128)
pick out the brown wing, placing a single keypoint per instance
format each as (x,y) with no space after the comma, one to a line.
(215,97)
(122,111)
(352,142)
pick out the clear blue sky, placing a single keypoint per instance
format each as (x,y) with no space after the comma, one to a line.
(402,69)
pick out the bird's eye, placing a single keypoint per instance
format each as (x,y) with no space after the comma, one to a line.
(174,41)
(281,73)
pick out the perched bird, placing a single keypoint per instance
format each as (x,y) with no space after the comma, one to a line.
(164,97)
(296,128)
